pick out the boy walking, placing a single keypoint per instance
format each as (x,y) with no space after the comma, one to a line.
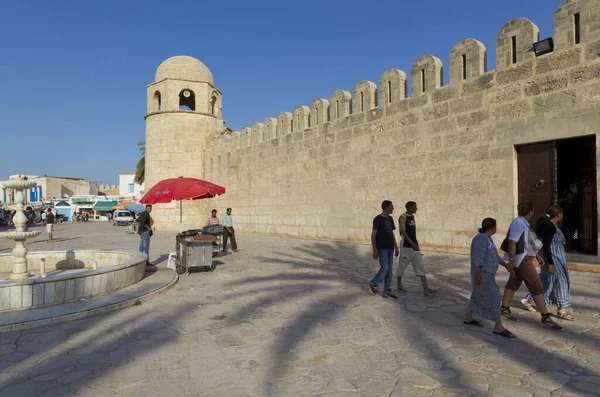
(385,246)
(411,252)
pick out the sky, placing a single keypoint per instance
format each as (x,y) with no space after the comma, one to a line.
(73,74)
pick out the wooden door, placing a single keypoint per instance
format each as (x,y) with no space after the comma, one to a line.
(588,229)
(537,177)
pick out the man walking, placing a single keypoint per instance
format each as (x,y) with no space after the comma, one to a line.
(145,232)
(411,252)
(521,267)
(50,224)
(228,231)
(385,246)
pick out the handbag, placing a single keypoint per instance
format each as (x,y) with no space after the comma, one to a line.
(520,243)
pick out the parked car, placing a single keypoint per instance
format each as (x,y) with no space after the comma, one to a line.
(122,218)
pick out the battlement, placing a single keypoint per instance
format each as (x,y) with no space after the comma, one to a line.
(576,31)
(321,171)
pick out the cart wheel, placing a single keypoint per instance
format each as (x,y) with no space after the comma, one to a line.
(180,269)
(207,268)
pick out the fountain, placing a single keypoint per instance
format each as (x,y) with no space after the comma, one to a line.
(56,277)
(19,235)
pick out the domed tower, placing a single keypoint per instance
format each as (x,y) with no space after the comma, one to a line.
(184,108)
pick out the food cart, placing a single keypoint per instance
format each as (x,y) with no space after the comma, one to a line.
(194,250)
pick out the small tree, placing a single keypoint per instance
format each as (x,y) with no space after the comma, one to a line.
(140,168)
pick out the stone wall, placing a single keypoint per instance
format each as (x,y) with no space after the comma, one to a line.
(176,146)
(322,171)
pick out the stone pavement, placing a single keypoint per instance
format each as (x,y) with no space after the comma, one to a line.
(285,317)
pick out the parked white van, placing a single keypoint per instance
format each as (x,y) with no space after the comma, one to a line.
(121,217)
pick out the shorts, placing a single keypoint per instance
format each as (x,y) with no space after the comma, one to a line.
(528,274)
(49,227)
(415,258)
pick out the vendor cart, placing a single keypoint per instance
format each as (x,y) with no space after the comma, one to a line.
(215,231)
(193,250)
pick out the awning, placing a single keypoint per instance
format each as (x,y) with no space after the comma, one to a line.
(122,204)
(104,206)
(62,204)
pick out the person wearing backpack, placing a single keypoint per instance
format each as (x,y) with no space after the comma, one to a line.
(50,224)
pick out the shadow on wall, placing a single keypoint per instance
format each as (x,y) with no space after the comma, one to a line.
(421,333)
(70,262)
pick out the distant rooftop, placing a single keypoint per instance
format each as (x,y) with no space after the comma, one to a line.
(46,176)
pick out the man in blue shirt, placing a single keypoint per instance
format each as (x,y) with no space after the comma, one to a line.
(228,231)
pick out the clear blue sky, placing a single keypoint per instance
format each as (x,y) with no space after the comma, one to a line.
(73,74)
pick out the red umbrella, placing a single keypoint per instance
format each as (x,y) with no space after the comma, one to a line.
(179,189)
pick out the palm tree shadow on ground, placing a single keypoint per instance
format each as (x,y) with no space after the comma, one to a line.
(428,333)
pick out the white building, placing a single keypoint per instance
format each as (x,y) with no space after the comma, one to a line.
(128,188)
(50,189)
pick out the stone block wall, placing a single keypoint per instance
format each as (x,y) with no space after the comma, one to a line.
(449,147)
(321,171)
(176,146)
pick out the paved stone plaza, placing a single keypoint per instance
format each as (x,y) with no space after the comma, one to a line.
(286,317)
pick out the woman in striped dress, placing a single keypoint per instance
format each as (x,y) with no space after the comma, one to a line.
(554,273)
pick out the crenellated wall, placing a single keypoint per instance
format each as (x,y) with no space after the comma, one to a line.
(322,171)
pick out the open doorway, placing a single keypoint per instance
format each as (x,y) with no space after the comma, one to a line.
(563,172)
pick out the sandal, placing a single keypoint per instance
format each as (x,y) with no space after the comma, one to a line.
(564,315)
(505,311)
(473,322)
(528,305)
(506,333)
(549,323)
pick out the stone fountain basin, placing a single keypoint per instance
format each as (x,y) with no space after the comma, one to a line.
(14,235)
(70,276)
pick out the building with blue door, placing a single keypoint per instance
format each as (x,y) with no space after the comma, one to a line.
(63,208)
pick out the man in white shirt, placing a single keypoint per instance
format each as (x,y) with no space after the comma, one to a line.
(228,231)
(521,267)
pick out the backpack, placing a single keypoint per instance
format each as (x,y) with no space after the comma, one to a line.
(520,243)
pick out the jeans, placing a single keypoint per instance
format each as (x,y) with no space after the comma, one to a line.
(145,243)
(386,261)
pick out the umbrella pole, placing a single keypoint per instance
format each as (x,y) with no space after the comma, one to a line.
(180,212)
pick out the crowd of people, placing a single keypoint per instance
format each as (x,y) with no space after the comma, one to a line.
(524,246)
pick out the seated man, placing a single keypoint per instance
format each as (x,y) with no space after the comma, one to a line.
(213,219)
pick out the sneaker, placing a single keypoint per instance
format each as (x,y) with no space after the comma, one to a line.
(400,287)
(389,295)
(430,292)
(372,289)
(236,250)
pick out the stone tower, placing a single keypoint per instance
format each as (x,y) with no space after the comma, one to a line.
(184,108)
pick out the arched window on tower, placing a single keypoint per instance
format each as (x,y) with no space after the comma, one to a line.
(213,105)
(187,100)
(156,102)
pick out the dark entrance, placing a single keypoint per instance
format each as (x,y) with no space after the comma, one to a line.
(563,172)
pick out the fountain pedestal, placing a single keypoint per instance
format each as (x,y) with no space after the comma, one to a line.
(19,235)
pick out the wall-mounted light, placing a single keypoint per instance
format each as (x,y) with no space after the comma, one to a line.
(543,46)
